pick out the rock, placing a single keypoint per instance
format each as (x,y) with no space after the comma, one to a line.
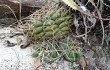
(6,21)
(35,3)
(28,7)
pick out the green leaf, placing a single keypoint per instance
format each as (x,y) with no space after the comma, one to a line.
(70,3)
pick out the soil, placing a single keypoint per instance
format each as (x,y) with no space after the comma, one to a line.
(13,57)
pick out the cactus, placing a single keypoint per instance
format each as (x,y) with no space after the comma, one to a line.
(70,54)
(52,54)
(36,53)
(53,24)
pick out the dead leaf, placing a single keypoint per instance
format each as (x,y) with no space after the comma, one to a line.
(9,44)
(96,68)
(38,61)
(83,63)
(19,40)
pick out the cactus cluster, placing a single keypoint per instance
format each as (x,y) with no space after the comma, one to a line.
(53,24)
(51,52)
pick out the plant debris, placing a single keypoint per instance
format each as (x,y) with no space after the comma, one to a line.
(9,44)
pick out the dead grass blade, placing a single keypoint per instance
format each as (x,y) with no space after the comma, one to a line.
(11,11)
(100,17)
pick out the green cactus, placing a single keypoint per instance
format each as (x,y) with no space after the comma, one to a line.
(36,53)
(52,24)
(70,54)
(52,54)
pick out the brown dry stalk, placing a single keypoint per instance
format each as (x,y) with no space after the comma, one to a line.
(87,13)
(98,12)
(11,11)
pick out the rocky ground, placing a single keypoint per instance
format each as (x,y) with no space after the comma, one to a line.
(12,57)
